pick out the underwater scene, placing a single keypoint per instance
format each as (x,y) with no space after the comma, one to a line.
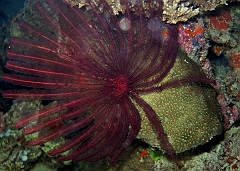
(120,85)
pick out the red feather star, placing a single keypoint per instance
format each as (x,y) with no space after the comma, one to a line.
(93,64)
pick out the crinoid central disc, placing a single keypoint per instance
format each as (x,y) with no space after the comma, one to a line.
(119,85)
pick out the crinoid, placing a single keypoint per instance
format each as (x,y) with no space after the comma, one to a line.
(95,65)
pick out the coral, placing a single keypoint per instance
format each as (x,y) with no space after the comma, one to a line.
(173,10)
(212,159)
(15,155)
(119,6)
(192,39)
(231,150)
(184,39)
(176,10)
(235,59)
(41,167)
(2,121)
(185,109)
(110,82)
(217,49)
(90,91)
(222,156)
(220,22)
(207,5)
(224,33)
(219,28)
(9,166)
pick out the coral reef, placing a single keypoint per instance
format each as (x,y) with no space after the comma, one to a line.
(222,36)
(223,30)
(173,10)
(107,92)
(15,154)
(91,79)
(218,30)
(224,155)
(192,39)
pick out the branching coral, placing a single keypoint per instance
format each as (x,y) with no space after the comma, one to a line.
(173,10)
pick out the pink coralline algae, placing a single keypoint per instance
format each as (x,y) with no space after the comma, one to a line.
(191,37)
